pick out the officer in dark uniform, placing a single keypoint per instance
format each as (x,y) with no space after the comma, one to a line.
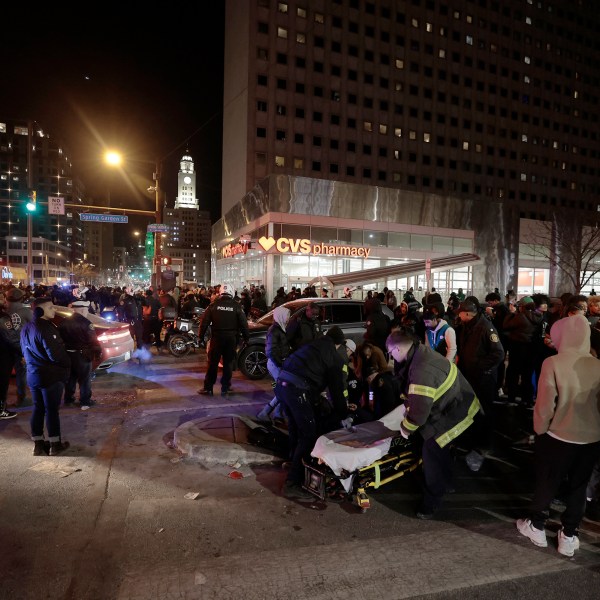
(48,366)
(479,354)
(82,344)
(226,320)
(305,375)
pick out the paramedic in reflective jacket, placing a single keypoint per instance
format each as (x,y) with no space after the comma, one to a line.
(440,405)
(307,372)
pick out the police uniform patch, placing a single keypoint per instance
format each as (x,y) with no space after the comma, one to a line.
(494,337)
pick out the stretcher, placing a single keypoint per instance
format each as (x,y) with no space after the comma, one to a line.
(344,464)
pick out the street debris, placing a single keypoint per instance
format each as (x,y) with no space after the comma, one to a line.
(191,495)
(200,579)
(161,530)
(235,465)
(53,468)
(236,475)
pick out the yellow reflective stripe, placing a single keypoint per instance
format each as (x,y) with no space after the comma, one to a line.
(377,476)
(453,433)
(448,383)
(408,425)
(345,393)
(345,368)
(421,390)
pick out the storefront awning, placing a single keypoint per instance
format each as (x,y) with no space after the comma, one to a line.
(395,271)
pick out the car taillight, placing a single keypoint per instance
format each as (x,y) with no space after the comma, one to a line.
(114,335)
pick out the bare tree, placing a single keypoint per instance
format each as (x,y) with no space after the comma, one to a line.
(571,245)
(85,272)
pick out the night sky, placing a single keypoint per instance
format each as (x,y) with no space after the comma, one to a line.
(148,82)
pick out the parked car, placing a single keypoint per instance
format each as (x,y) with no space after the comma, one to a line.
(114,337)
(346,313)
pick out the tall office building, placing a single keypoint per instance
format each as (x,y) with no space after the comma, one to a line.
(30,160)
(188,235)
(466,116)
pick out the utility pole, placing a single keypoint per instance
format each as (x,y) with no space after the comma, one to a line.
(29,212)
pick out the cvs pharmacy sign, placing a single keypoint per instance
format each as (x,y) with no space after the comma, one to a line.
(304,246)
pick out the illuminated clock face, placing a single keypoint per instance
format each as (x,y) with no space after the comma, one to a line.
(187,179)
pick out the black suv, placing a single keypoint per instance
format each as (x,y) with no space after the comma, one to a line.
(346,313)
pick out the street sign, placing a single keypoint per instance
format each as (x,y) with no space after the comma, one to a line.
(158,228)
(56,205)
(104,218)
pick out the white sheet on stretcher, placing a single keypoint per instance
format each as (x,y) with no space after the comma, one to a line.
(352,450)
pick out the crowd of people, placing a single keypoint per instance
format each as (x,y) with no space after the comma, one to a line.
(451,363)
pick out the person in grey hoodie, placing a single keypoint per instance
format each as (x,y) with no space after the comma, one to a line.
(566,421)
(277,350)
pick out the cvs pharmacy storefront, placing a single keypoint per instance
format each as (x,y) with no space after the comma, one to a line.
(290,231)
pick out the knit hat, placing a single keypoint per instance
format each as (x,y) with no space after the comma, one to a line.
(336,334)
(14,295)
(351,345)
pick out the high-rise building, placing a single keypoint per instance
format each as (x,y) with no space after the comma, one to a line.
(188,235)
(32,161)
(407,128)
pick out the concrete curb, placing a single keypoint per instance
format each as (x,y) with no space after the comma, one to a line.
(221,441)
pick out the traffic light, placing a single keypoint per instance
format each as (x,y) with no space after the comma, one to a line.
(149,245)
(31,205)
(166,260)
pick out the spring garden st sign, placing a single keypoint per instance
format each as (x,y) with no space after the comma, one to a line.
(303,246)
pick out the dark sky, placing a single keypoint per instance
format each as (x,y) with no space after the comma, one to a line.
(145,79)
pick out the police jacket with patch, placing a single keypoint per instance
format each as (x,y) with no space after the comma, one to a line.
(479,348)
(78,333)
(224,315)
(439,401)
(318,366)
(45,354)
(10,341)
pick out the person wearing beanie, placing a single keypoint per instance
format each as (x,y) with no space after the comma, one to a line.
(313,368)
(48,367)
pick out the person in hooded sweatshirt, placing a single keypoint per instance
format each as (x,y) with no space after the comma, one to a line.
(277,349)
(566,421)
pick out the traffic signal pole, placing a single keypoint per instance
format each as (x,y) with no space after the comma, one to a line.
(29,212)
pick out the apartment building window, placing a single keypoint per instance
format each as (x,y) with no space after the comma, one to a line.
(381,176)
(299,113)
(352,99)
(317,116)
(298,138)
(367,173)
(351,123)
(333,168)
(336,46)
(366,149)
(282,32)
(382,129)
(396,177)
(383,152)
(301,12)
(261,132)
(412,135)
(384,105)
(352,75)
(280,135)
(299,88)
(350,171)
(263,27)
(398,131)
(397,155)
(298,163)
(399,63)
(261,106)
(367,126)
(317,140)
(334,119)
(280,161)
(336,71)
(368,102)
(319,18)
(262,54)
(281,84)
(318,91)
(261,80)
(319,41)
(261,158)
(281,58)
(301,38)
(316,165)
(334,144)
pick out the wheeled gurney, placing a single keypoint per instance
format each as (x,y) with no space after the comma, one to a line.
(345,463)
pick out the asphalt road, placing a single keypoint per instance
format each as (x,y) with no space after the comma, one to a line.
(109,519)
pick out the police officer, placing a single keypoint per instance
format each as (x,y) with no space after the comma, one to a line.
(48,367)
(226,320)
(82,344)
(479,354)
(440,406)
(305,375)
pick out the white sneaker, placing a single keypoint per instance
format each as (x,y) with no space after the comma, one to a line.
(537,536)
(567,545)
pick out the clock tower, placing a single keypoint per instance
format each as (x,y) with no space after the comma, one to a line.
(186,184)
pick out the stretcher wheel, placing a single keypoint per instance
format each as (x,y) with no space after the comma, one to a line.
(362,500)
